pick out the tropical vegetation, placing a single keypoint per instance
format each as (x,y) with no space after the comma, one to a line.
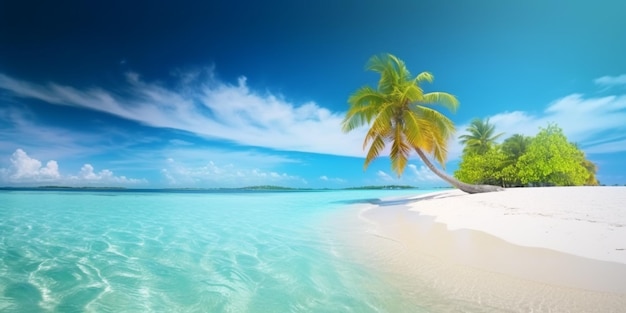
(398,112)
(548,159)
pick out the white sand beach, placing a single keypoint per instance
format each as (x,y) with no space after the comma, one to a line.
(555,249)
(584,221)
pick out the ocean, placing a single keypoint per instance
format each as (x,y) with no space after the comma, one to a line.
(125,251)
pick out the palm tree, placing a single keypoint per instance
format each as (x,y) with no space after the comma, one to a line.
(480,138)
(399,112)
(514,147)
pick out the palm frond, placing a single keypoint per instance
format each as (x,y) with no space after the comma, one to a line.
(442,123)
(376,63)
(412,93)
(441,154)
(401,70)
(364,106)
(444,99)
(399,153)
(424,77)
(439,129)
(381,126)
(418,130)
(382,65)
(378,144)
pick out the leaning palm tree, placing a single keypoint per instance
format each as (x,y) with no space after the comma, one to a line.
(480,137)
(399,112)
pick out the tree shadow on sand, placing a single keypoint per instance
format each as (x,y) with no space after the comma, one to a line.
(393,202)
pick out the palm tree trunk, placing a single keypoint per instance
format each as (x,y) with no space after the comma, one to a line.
(454,182)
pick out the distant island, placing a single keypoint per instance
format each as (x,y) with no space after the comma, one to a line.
(389,187)
(267,187)
(63,188)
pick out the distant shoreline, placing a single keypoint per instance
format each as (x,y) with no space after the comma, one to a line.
(267,188)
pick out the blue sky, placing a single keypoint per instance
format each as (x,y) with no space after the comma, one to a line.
(151,94)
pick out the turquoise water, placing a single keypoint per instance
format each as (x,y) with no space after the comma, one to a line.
(182,252)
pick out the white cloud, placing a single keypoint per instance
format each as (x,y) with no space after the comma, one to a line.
(611,80)
(197,156)
(25,170)
(87,175)
(415,175)
(384,176)
(424,175)
(213,109)
(223,175)
(332,179)
(178,142)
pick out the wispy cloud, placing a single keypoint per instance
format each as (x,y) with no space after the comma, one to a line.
(422,174)
(207,107)
(25,170)
(198,156)
(214,174)
(384,176)
(415,174)
(20,129)
(610,81)
(337,180)
(201,104)
(608,147)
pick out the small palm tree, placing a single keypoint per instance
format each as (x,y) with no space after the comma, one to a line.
(399,112)
(514,147)
(481,137)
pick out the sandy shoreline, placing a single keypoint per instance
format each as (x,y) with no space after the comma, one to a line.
(522,250)
(585,221)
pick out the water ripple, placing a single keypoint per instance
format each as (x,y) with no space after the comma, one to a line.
(80,252)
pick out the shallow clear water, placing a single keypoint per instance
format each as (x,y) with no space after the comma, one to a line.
(182,252)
